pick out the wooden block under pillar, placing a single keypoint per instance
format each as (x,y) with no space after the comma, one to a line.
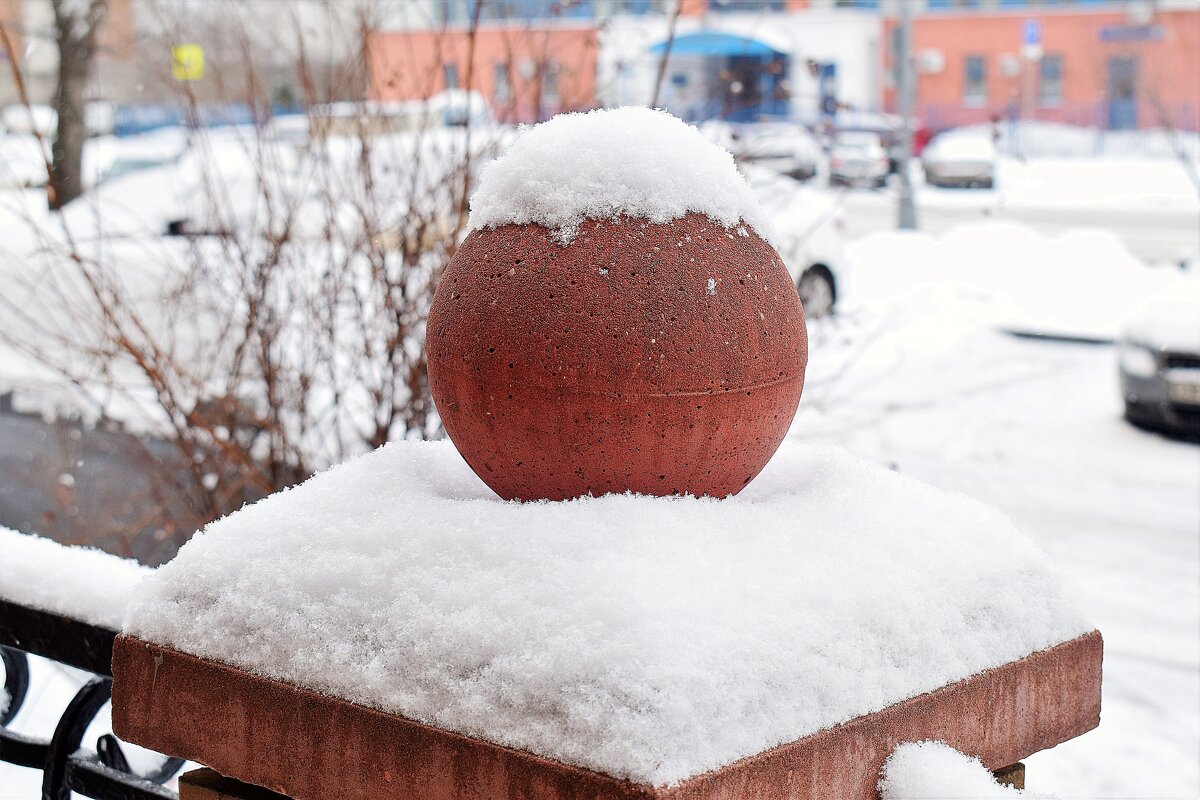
(208,784)
(1012,775)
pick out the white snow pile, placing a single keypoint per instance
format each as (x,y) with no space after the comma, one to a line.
(648,638)
(605,164)
(78,582)
(936,771)
(1084,282)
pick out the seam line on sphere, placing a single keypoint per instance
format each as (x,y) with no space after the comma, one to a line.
(616,396)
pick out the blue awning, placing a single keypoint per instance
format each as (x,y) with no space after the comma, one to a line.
(708,43)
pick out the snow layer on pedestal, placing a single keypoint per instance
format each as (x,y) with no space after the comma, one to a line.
(648,638)
(936,771)
(635,162)
(78,582)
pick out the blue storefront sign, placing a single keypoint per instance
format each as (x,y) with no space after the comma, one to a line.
(746,77)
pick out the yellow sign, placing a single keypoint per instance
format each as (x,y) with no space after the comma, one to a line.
(187,62)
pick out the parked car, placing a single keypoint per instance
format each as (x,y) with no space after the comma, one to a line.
(789,148)
(785,147)
(857,159)
(118,157)
(960,160)
(1159,362)
(809,235)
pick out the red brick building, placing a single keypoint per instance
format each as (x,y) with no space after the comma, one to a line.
(526,73)
(1099,66)
(534,59)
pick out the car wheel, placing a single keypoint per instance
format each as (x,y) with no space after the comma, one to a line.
(816,291)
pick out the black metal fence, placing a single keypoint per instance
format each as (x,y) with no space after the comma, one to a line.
(104,774)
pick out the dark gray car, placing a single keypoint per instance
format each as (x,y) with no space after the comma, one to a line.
(1159,363)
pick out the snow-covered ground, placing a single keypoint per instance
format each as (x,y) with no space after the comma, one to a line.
(1082,283)
(1035,429)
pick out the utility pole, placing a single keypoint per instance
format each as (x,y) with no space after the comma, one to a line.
(907,215)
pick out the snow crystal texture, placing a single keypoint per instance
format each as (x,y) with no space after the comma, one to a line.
(648,638)
(605,164)
(78,582)
(936,771)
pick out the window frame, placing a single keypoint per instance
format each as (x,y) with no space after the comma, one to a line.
(1045,98)
(975,92)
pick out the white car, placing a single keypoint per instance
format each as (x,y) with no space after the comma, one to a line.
(858,159)
(963,160)
(785,147)
(809,234)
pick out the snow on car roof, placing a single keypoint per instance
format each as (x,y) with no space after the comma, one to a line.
(857,139)
(962,146)
(1170,320)
(649,638)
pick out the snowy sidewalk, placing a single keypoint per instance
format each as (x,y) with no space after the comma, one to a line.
(1035,429)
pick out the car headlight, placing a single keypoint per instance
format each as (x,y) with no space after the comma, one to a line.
(1137,360)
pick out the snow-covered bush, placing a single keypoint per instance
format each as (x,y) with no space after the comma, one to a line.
(281,327)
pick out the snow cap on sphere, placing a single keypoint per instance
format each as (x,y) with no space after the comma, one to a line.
(605,164)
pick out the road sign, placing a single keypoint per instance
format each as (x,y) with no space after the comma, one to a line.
(187,62)
(1031,32)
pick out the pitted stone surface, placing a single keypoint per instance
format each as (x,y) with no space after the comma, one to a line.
(658,359)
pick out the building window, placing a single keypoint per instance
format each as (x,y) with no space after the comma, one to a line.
(450,73)
(975,81)
(940,5)
(550,84)
(503,83)
(1050,83)
(638,7)
(461,12)
(746,5)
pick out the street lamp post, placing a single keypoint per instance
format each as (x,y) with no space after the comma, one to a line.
(907,211)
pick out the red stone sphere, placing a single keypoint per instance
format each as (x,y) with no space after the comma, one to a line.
(654,358)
